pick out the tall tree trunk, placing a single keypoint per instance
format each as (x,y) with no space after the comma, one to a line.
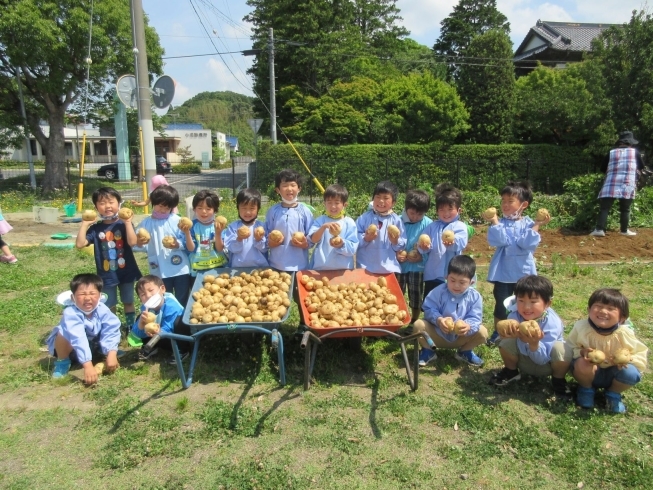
(55,153)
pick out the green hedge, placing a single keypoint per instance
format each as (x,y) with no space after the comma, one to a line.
(187,168)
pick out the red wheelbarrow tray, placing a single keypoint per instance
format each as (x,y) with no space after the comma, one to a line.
(358,276)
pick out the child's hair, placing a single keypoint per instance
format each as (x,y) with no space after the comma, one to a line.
(534,286)
(447,195)
(210,198)
(336,191)
(463,265)
(386,187)
(156,280)
(521,189)
(612,297)
(418,200)
(86,280)
(166,196)
(287,175)
(249,196)
(103,192)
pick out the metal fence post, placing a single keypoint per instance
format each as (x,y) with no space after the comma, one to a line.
(68,170)
(233,178)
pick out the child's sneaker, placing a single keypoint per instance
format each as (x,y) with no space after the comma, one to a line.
(598,233)
(469,357)
(61,368)
(426,356)
(585,397)
(560,387)
(493,340)
(613,402)
(628,233)
(144,355)
(8,259)
(505,376)
(173,362)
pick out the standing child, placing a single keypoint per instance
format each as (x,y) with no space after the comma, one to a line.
(87,329)
(287,225)
(112,240)
(377,245)
(412,262)
(515,237)
(6,257)
(204,236)
(333,233)
(247,248)
(165,254)
(543,354)
(624,355)
(453,313)
(448,236)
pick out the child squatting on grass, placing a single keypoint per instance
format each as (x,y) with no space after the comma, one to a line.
(88,329)
(539,353)
(606,353)
(453,313)
(245,238)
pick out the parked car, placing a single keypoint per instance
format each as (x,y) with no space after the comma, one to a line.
(110,171)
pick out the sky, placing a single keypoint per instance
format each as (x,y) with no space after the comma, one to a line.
(222,30)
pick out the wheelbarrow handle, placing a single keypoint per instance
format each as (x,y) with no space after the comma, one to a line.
(305,338)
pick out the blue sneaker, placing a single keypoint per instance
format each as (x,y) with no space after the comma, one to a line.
(426,356)
(613,402)
(469,357)
(493,340)
(61,368)
(585,397)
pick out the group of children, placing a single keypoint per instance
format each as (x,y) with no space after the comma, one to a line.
(437,278)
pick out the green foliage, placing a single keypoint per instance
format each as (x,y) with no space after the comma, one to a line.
(185,154)
(582,200)
(187,168)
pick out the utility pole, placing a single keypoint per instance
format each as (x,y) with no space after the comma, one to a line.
(143,89)
(273,102)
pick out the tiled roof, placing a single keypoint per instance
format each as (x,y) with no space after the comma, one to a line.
(232,140)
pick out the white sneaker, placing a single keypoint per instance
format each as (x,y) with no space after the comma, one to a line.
(628,233)
(598,233)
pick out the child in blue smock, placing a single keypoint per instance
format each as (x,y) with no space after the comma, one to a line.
(333,233)
(515,237)
(170,261)
(247,249)
(449,303)
(203,239)
(412,262)
(87,328)
(377,251)
(443,247)
(293,220)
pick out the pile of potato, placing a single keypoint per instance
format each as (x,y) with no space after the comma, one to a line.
(349,305)
(259,296)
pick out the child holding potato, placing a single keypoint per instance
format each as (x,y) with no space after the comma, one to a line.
(203,235)
(165,243)
(112,239)
(515,237)
(606,353)
(88,328)
(333,233)
(412,262)
(381,232)
(452,315)
(245,239)
(287,225)
(448,236)
(532,341)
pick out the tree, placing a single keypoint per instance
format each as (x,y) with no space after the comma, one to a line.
(48,41)
(469,19)
(486,83)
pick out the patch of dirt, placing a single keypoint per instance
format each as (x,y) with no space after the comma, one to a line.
(579,245)
(28,233)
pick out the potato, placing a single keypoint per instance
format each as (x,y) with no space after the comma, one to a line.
(89,215)
(489,213)
(402,254)
(458,326)
(381,281)
(185,224)
(542,214)
(125,213)
(298,236)
(507,327)
(243,232)
(448,237)
(169,241)
(259,233)
(447,325)
(622,357)
(390,309)
(149,317)
(152,328)
(596,356)
(372,229)
(276,236)
(529,328)
(144,235)
(424,241)
(391,299)
(99,368)
(221,221)
(393,232)
(335,229)
(414,255)
(336,241)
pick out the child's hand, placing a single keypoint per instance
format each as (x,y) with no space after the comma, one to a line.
(394,239)
(112,362)
(448,237)
(461,327)
(336,242)
(333,227)
(259,233)
(90,374)
(446,324)
(414,256)
(143,320)
(531,340)
(298,242)
(170,242)
(402,256)
(371,233)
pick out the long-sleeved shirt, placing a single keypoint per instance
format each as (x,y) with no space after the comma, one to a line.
(413,231)
(165,317)
(165,262)
(326,257)
(515,243)
(103,326)
(205,255)
(287,257)
(440,254)
(379,256)
(248,252)
(552,328)
(583,335)
(466,306)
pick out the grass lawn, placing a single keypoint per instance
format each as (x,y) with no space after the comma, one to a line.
(359,426)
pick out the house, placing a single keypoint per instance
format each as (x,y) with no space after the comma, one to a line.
(233,143)
(555,44)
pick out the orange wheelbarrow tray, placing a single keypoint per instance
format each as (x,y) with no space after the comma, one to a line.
(314,336)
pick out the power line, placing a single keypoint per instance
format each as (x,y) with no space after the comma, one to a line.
(198,55)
